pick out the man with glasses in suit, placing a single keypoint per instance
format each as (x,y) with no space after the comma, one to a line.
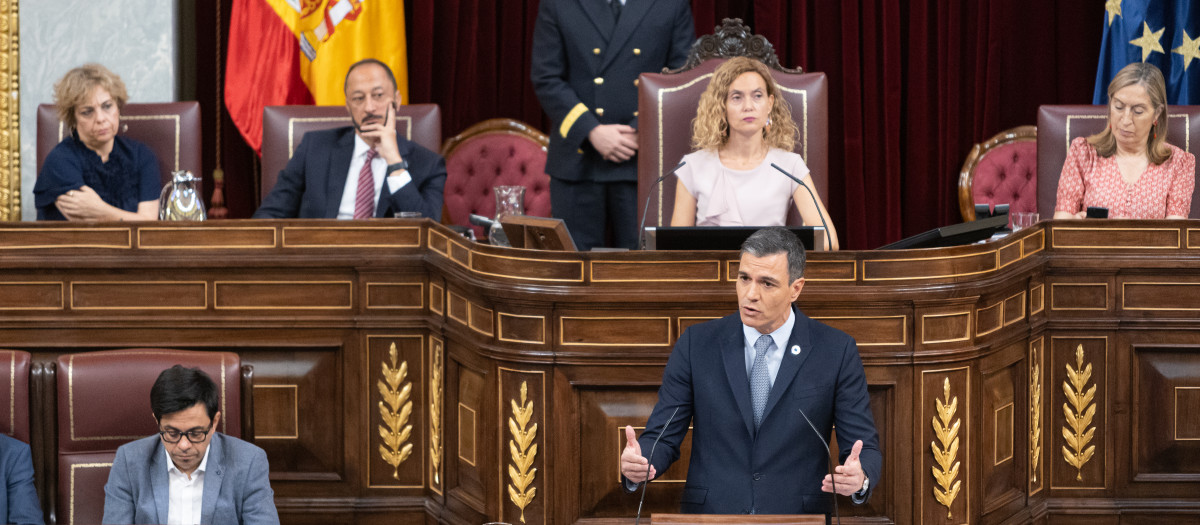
(188,473)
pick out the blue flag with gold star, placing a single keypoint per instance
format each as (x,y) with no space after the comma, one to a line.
(1165,33)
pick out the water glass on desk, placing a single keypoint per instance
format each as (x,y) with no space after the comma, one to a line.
(1023,219)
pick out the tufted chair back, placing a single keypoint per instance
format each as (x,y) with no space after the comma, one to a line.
(495,152)
(1001,170)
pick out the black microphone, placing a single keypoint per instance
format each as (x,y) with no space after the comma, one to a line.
(480,220)
(828,238)
(823,442)
(650,460)
(642,227)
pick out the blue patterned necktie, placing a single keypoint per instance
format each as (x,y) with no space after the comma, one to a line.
(760,378)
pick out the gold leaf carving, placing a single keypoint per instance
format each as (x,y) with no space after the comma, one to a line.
(523,452)
(1079,411)
(1035,416)
(395,408)
(435,413)
(945,450)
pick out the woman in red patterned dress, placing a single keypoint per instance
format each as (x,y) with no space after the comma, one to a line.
(1129,167)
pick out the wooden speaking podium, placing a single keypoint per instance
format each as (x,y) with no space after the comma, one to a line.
(756,519)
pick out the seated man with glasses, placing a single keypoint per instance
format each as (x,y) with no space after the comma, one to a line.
(189,473)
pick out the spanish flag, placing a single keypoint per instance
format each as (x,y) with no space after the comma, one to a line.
(285,52)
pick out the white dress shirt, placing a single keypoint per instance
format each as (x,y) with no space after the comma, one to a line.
(774,354)
(379,166)
(186,493)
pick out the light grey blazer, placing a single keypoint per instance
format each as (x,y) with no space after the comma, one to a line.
(236,488)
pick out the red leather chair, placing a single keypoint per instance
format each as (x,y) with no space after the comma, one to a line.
(667,103)
(284,126)
(1001,170)
(103,401)
(14,394)
(1059,125)
(496,152)
(170,129)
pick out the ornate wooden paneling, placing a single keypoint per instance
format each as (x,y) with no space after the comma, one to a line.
(396,395)
(945,469)
(1078,452)
(1166,413)
(1045,378)
(524,491)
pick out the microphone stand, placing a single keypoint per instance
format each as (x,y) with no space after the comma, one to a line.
(650,461)
(828,237)
(646,207)
(826,443)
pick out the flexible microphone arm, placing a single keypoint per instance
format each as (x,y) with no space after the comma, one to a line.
(823,442)
(646,208)
(650,461)
(828,237)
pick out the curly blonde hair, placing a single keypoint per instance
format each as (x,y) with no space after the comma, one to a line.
(710,128)
(74,88)
(1151,79)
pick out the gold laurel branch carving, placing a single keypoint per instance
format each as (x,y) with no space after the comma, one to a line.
(1035,417)
(1079,411)
(523,452)
(945,429)
(435,413)
(395,408)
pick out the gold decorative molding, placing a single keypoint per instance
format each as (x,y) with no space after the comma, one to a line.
(395,409)
(10,112)
(945,429)
(435,411)
(1035,415)
(523,451)
(1079,412)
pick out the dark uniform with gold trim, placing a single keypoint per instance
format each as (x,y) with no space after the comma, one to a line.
(585,67)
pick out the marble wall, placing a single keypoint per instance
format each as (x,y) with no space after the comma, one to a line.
(136,39)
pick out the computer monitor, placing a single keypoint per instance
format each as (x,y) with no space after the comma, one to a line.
(721,237)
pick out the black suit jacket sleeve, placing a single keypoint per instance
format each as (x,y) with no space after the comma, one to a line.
(683,34)
(424,193)
(549,71)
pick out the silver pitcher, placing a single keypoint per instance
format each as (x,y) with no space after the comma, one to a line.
(180,199)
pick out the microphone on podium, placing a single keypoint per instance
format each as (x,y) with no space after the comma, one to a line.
(828,238)
(650,458)
(823,442)
(646,207)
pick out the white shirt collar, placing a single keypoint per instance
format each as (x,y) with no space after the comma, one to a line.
(780,335)
(171,468)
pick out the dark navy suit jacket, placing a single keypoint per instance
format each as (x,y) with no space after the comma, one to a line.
(779,468)
(311,185)
(584,64)
(20,505)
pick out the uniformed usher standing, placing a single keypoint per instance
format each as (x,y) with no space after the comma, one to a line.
(587,55)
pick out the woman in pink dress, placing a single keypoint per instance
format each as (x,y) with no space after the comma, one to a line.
(740,130)
(1129,168)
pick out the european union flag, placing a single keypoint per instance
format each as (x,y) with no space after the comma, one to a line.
(1165,33)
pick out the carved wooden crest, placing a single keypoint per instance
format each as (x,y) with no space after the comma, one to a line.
(732,39)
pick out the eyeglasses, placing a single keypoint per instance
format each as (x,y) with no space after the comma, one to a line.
(171,435)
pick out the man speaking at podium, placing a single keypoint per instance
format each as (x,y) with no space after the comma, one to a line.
(747,383)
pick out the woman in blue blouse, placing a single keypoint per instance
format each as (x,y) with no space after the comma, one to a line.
(94,174)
